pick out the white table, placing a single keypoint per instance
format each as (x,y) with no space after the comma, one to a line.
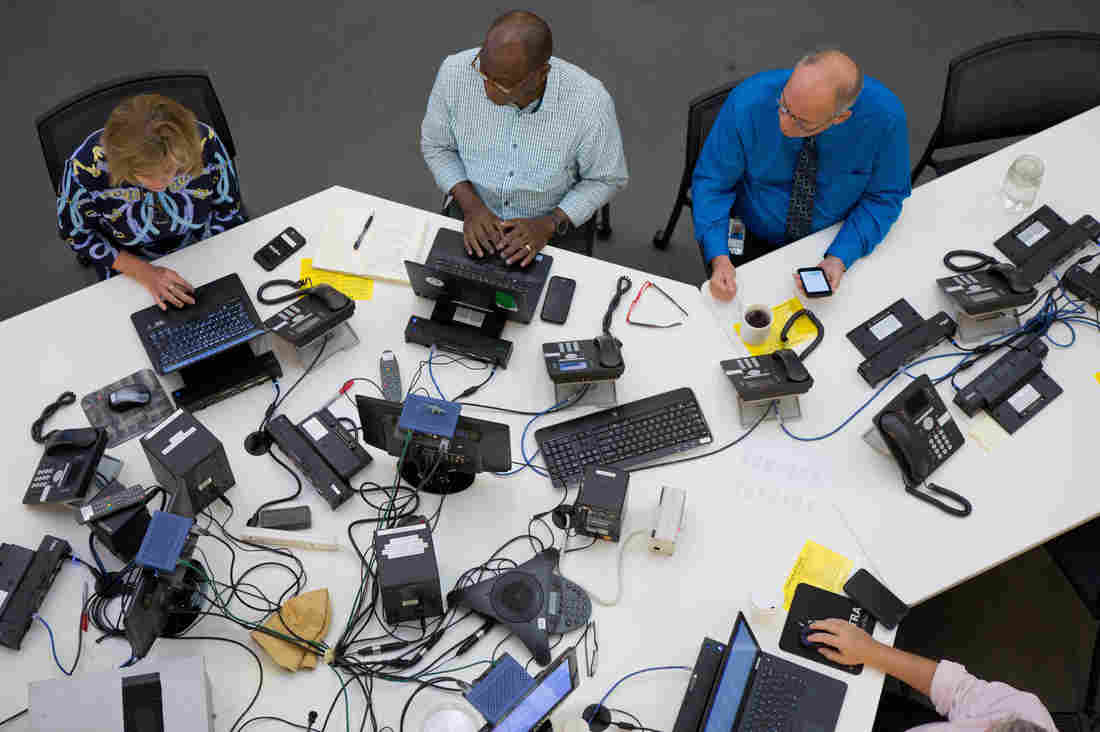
(1033,486)
(740,536)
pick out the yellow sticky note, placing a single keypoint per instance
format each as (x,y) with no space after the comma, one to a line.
(354,286)
(1098,376)
(818,566)
(802,330)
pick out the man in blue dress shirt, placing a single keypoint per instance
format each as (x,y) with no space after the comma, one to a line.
(527,144)
(794,151)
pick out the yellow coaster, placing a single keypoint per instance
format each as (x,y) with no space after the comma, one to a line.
(802,330)
(354,286)
(818,566)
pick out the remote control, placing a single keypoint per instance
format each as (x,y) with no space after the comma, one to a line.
(390,376)
(113,502)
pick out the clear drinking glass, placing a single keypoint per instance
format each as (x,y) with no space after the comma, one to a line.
(1021,184)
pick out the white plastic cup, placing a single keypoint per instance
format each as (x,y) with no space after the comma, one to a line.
(765,606)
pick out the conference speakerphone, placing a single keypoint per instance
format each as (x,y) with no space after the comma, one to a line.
(578,362)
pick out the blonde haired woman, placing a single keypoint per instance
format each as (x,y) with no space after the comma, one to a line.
(152,181)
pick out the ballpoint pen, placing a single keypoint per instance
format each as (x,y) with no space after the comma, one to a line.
(363,232)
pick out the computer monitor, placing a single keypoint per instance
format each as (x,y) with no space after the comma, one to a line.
(530,711)
(725,701)
(477,446)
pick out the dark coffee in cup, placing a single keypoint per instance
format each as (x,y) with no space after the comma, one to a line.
(757,318)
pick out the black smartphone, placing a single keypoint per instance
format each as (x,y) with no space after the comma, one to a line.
(815,282)
(873,596)
(279,249)
(559,296)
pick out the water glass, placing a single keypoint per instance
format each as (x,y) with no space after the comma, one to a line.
(1021,184)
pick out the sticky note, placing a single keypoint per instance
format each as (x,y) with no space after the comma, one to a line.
(802,330)
(819,566)
(986,432)
(354,286)
(1098,376)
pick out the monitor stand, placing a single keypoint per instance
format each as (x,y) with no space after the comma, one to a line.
(443,482)
(224,374)
(486,322)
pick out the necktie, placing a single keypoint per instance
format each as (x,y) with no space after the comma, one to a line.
(801,211)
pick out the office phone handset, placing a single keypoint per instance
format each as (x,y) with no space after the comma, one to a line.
(921,435)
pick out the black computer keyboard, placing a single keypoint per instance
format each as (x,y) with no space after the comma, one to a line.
(490,273)
(224,326)
(623,436)
(775,696)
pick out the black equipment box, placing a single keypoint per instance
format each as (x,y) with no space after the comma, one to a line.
(311,315)
(1002,378)
(187,457)
(408,574)
(573,362)
(464,340)
(19,604)
(884,328)
(899,345)
(339,448)
(1026,238)
(1082,283)
(1083,232)
(121,532)
(326,481)
(600,507)
(768,376)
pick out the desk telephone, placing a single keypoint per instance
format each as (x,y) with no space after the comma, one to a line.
(68,466)
(921,435)
(778,374)
(316,311)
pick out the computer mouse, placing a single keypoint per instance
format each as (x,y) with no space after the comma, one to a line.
(609,349)
(128,397)
(804,633)
(330,296)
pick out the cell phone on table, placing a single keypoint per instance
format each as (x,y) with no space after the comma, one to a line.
(873,596)
(559,296)
(279,249)
(814,282)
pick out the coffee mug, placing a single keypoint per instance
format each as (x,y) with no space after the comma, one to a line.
(756,325)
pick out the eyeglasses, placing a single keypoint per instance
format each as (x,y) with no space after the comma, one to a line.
(646,286)
(804,125)
(476,66)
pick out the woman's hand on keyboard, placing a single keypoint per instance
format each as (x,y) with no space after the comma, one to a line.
(165,285)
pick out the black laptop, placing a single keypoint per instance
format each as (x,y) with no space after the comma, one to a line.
(485,282)
(221,318)
(754,690)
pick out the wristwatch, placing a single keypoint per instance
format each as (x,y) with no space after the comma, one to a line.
(561,223)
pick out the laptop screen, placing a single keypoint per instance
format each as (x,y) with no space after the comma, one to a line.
(539,701)
(734,679)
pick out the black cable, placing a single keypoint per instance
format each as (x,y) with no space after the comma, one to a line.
(269,718)
(13,717)
(276,404)
(259,665)
(66,398)
(727,446)
(473,389)
(982,260)
(621,288)
(297,285)
(255,518)
(813,319)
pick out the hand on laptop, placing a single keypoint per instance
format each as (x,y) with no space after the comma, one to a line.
(851,645)
(165,285)
(523,238)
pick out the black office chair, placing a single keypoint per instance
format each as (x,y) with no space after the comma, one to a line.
(580,239)
(1012,87)
(702,112)
(1077,554)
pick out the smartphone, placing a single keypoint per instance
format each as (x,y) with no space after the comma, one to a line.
(559,296)
(279,249)
(873,596)
(815,282)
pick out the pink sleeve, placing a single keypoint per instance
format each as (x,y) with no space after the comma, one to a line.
(959,695)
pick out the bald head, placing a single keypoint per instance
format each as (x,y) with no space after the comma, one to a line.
(520,35)
(831,72)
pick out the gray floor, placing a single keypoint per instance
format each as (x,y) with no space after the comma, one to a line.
(326,93)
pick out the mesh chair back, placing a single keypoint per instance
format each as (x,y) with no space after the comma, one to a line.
(702,113)
(68,124)
(1019,86)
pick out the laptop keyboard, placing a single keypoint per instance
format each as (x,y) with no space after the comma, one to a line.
(224,325)
(500,278)
(775,696)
